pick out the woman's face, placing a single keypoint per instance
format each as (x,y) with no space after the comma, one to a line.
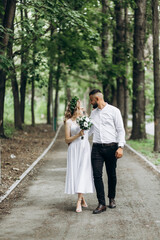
(79,108)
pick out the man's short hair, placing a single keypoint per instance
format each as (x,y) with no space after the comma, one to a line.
(94,91)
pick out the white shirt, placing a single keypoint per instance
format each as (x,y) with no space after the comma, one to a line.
(107,125)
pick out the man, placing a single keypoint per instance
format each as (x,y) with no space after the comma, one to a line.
(108,143)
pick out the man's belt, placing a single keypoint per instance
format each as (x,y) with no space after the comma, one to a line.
(105,144)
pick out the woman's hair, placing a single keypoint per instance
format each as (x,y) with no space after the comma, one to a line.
(71,108)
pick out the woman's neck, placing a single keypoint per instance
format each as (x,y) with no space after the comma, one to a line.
(74,117)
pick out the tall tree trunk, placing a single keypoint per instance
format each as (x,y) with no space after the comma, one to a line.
(17,113)
(2,96)
(155,29)
(50,95)
(12,75)
(119,56)
(33,90)
(9,12)
(126,93)
(67,92)
(138,109)
(58,73)
(104,33)
(104,47)
(113,88)
(34,69)
(50,80)
(24,72)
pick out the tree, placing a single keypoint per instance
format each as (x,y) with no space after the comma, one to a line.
(8,7)
(24,59)
(126,49)
(119,56)
(138,108)
(104,48)
(155,30)
(12,76)
(50,79)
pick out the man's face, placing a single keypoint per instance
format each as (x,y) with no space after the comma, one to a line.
(93,101)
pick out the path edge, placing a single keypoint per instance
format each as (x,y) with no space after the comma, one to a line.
(143,158)
(14,185)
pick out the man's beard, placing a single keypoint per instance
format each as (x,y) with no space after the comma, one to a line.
(95,105)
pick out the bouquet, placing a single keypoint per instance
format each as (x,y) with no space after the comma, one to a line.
(84,123)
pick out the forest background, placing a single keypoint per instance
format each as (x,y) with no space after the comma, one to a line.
(52,50)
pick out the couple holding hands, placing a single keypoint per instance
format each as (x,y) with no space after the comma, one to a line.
(85,167)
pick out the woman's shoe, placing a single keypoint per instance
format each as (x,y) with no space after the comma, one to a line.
(79,209)
(84,204)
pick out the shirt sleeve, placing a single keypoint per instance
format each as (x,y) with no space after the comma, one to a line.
(90,132)
(119,128)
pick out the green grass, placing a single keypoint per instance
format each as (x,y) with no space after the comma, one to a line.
(9,128)
(145,147)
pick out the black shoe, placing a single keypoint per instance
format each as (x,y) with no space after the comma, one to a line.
(99,209)
(112,203)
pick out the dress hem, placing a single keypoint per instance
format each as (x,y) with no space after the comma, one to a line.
(78,192)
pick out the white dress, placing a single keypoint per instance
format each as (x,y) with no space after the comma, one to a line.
(79,176)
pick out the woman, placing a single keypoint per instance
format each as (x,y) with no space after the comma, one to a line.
(79,177)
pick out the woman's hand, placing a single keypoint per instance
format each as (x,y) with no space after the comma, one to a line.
(81,133)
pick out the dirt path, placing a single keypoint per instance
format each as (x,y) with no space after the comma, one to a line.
(43,211)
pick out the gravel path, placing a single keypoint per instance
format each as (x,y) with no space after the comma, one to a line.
(44,212)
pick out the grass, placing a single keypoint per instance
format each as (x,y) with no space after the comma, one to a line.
(145,147)
(9,128)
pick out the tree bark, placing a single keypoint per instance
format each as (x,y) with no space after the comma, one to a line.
(104,47)
(113,87)
(24,72)
(67,91)
(119,54)
(126,93)
(2,96)
(138,109)
(33,90)
(34,69)
(12,75)
(7,19)
(50,80)
(50,95)
(58,73)
(155,30)
(104,33)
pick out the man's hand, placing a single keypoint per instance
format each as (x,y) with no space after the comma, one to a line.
(119,153)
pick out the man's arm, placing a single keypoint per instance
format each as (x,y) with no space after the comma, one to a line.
(120,133)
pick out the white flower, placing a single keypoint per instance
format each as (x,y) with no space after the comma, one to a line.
(87,119)
(85,124)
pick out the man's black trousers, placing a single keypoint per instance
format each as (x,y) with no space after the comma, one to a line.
(104,153)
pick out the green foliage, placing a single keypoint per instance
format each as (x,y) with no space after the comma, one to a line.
(73,104)
(69,32)
(5,62)
(9,128)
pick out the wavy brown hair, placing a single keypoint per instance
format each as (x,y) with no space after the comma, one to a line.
(69,113)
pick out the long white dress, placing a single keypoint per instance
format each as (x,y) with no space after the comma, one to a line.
(79,176)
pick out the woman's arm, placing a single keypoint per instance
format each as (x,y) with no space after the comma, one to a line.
(68,138)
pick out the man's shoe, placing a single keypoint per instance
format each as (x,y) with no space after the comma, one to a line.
(112,203)
(99,209)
